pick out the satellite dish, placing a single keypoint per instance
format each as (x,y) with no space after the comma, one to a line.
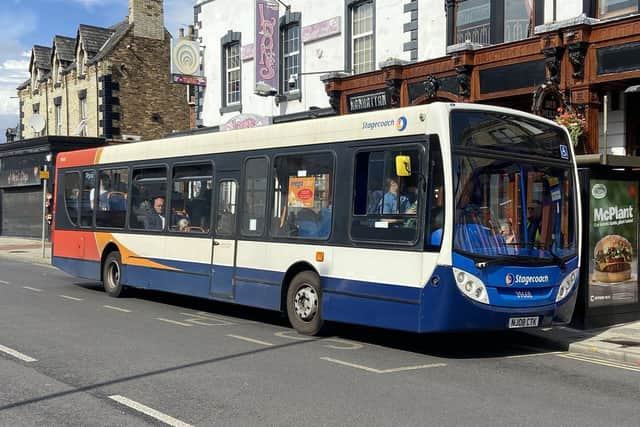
(36,122)
(81,126)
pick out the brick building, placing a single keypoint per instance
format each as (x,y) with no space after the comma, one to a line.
(106,82)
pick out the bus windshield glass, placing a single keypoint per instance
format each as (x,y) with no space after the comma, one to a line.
(506,206)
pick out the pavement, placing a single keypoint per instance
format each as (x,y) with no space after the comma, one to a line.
(616,343)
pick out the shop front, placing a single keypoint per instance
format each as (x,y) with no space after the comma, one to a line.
(21,186)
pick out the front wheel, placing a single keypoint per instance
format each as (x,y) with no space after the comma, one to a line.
(112,275)
(304,299)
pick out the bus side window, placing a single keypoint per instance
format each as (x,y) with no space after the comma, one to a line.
(72,196)
(254,196)
(226,209)
(191,198)
(302,196)
(436,198)
(87,198)
(112,198)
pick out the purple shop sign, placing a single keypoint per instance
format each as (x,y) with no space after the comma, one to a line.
(267,43)
(320,30)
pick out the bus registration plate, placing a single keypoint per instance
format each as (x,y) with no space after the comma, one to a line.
(523,322)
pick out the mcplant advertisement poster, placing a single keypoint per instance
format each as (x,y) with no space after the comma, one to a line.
(613,242)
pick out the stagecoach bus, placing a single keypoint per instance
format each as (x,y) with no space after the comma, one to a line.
(444,217)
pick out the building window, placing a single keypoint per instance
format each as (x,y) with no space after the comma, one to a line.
(493,21)
(290,57)
(36,112)
(362,36)
(232,73)
(82,122)
(613,8)
(58,119)
(81,62)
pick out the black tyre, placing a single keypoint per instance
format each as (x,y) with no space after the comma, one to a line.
(304,300)
(112,275)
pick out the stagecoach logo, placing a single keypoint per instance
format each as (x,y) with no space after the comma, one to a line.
(400,124)
(510,279)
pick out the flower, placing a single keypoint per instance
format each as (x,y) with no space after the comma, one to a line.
(574,122)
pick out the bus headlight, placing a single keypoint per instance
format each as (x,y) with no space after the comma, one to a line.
(471,286)
(567,285)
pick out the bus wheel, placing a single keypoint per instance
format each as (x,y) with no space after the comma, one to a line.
(303,303)
(112,275)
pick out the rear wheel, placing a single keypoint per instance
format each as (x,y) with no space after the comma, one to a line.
(304,299)
(112,275)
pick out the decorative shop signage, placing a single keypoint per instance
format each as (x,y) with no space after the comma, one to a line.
(547,99)
(613,242)
(321,30)
(185,62)
(21,171)
(267,45)
(245,121)
(368,101)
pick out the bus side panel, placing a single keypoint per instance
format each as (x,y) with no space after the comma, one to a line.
(76,252)
(256,287)
(372,304)
(174,281)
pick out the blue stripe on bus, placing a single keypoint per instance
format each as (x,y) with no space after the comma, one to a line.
(79,268)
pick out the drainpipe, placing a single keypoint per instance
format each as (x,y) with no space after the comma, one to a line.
(97,104)
(66,101)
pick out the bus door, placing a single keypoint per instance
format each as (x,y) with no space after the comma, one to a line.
(224,234)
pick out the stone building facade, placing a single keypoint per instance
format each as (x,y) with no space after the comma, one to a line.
(106,82)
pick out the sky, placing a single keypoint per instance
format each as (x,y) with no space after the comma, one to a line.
(25,23)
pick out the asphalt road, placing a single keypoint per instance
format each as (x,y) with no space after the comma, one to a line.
(70,355)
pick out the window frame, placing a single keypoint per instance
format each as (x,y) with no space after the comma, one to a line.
(234,230)
(230,39)
(65,174)
(288,21)
(271,192)
(82,110)
(96,200)
(410,143)
(243,190)
(496,21)
(93,210)
(350,6)
(598,3)
(169,199)
(132,169)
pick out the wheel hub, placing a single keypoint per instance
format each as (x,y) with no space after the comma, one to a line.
(113,276)
(306,302)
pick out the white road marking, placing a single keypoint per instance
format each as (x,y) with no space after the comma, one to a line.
(298,337)
(110,307)
(203,320)
(33,289)
(17,354)
(71,298)
(346,345)
(384,371)
(520,356)
(250,340)
(175,322)
(167,419)
(4,283)
(587,359)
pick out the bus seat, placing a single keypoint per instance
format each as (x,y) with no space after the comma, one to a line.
(374,204)
(117,201)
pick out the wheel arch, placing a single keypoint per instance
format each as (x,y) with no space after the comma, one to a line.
(292,271)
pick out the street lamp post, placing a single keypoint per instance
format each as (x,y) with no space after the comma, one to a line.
(45,175)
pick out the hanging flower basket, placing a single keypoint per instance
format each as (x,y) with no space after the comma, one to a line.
(575,123)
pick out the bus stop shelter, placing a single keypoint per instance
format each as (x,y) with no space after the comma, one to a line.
(609,287)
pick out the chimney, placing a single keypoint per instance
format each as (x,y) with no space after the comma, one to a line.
(147,17)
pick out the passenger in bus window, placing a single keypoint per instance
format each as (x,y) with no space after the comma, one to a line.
(154,220)
(534,214)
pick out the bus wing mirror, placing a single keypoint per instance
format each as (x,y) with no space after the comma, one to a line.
(403,165)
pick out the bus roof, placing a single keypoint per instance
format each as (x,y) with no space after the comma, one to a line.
(353,127)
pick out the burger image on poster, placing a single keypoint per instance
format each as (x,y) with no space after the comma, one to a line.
(612,259)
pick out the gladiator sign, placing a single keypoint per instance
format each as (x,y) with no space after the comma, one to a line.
(267,44)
